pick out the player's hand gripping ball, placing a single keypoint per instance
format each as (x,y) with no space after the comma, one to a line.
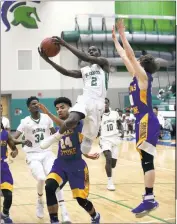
(49,47)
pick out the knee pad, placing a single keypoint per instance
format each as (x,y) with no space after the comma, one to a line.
(85,204)
(51,185)
(86,145)
(114,161)
(147,166)
(108,156)
(7,198)
(50,188)
(7,193)
(147,162)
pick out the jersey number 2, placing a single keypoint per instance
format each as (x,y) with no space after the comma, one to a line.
(94,81)
(39,137)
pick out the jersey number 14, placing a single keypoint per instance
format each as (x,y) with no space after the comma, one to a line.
(66,142)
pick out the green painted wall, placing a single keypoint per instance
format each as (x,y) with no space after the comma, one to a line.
(21,104)
(166,8)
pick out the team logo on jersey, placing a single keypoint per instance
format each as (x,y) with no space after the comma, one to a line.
(22,14)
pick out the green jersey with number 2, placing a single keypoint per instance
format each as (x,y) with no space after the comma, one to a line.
(95,81)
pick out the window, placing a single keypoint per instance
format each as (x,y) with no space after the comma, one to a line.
(24,59)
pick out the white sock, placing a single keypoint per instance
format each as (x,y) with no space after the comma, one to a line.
(60,199)
(40,189)
(110,181)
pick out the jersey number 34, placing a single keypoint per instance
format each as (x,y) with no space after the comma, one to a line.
(39,137)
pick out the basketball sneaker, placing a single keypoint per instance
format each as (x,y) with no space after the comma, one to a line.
(111,187)
(40,210)
(65,218)
(47,142)
(52,222)
(148,204)
(5,218)
(96,219)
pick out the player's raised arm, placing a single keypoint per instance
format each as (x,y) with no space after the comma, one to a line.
(93,56)
(54,118)
(70,73)
(139,70)
(122,53)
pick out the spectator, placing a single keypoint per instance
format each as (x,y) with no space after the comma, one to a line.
(129,123)
(120,112)
(120,122)
(161,120)
(173,88)
(161,94)
(5,120)
(168,125)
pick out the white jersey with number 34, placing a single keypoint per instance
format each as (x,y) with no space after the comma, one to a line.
(95,82)
(35,131)
(109,124)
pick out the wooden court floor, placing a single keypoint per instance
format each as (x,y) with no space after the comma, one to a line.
(114,207)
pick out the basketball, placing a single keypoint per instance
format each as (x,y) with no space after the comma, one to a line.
(50,49)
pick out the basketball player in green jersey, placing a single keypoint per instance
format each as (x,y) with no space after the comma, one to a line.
(90,105)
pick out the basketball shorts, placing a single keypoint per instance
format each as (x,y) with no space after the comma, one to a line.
(6,179)
(93,110)
(75,172)
(110,143)
(40,163)
(147,129)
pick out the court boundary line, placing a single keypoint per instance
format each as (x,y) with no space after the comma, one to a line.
(127,206)
(118,202)
(110,200)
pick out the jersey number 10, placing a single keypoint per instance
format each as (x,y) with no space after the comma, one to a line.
(109,127)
